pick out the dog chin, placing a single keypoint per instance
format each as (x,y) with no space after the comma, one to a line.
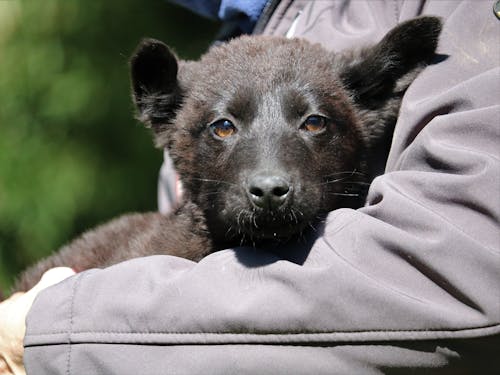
(280,231)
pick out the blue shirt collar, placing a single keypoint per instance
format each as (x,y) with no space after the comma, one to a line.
(244,13)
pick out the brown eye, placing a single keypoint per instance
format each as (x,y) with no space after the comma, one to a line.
(314,124)
(223,128)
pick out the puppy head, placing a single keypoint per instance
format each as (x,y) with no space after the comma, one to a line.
(269,133)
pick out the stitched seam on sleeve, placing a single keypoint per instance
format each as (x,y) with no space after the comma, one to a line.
(185,338)
(277,333)
(396,11)
(70,330)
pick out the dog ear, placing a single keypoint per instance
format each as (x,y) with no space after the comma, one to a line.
(377,78)
(155,89)
(377,73)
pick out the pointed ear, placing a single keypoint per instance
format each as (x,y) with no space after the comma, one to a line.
(376,73)
(155,89)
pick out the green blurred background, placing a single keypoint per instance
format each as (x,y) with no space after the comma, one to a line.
(71,153)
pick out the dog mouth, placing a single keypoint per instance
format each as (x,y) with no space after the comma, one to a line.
(282,225)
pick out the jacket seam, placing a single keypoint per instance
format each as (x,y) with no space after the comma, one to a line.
(272,333)
(396,10)
(71,320)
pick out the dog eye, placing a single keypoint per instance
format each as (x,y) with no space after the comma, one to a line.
(314,124)
(223,128)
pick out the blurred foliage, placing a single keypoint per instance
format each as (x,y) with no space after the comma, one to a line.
(71,153)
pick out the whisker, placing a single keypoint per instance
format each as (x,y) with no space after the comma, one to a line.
(342,173)
(239,220)
(334,181)
(229,230)
(294,212)
(357,183)
(339,181)
(327,182)
(345,194)
(253,218)
(211,180)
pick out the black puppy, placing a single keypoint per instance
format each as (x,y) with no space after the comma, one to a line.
(267,134)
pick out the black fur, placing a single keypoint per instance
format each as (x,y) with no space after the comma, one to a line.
(305,126)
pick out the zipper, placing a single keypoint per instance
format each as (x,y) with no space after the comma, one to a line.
(265,16)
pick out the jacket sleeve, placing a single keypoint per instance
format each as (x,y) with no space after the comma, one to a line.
(410,280)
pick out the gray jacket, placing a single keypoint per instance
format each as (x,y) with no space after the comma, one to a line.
(412,280)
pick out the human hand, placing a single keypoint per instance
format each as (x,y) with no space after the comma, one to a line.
(13,313)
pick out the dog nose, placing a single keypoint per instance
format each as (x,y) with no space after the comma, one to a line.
(268,191)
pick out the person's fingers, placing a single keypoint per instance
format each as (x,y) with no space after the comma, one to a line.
(13,313)
(11,335)
(9,367)
(12,327)
(4,369)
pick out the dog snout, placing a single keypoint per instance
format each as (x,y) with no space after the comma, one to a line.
(268,191)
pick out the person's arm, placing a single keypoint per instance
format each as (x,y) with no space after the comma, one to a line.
(410,281)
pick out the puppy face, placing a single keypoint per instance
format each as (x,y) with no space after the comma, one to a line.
(266,138)
(268,133)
